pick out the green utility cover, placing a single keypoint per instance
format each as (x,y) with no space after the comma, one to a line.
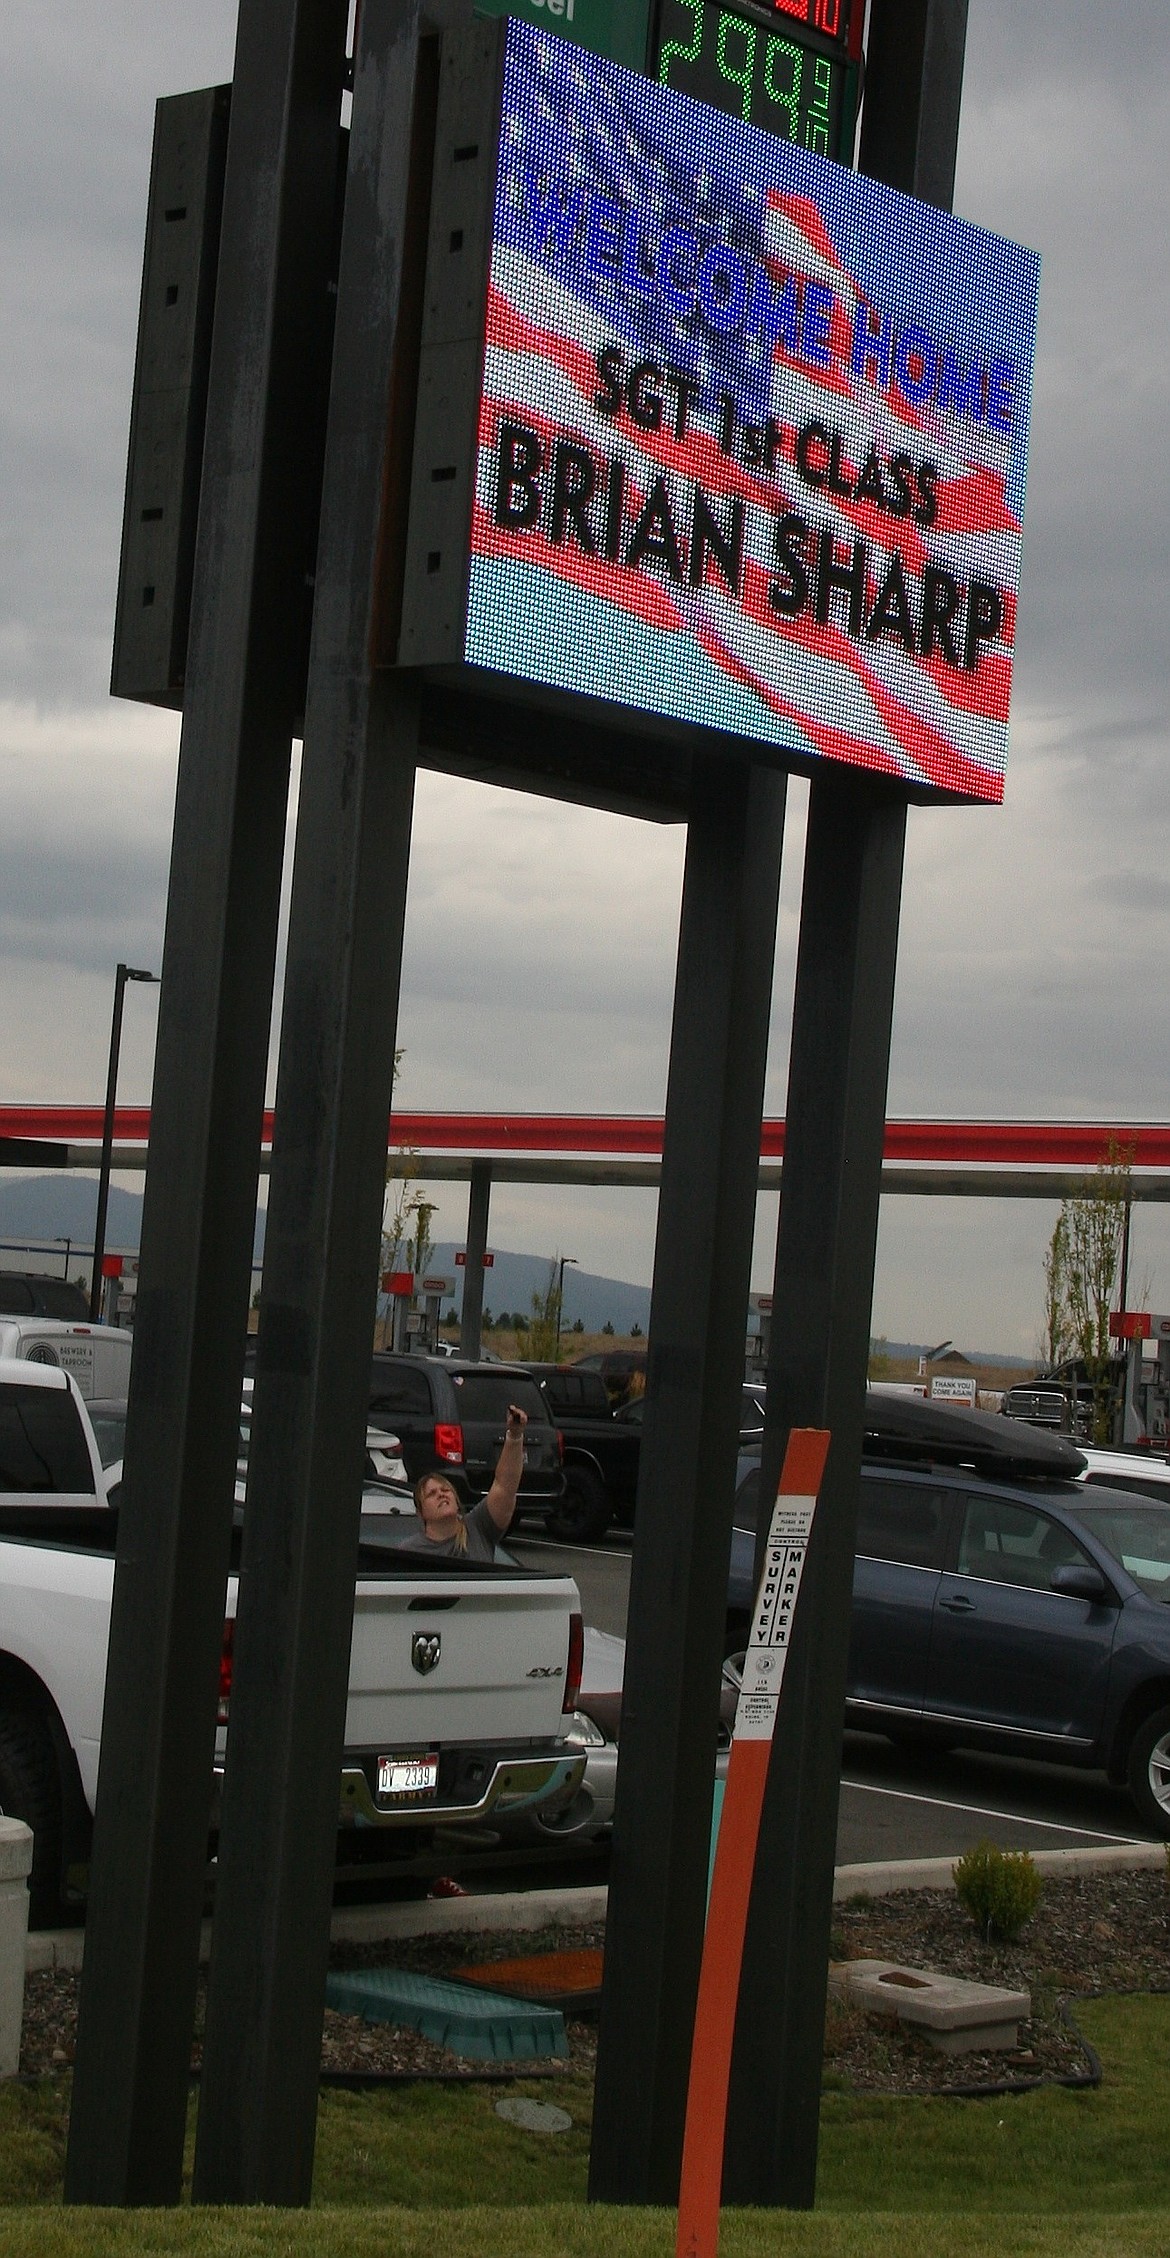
(618,28)
(481,2025)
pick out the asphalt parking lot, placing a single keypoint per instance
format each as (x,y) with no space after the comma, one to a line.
(898,1803)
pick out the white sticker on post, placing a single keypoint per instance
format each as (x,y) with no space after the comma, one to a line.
(763,1671)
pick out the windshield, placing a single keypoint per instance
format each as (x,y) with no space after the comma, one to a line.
(1137,1533)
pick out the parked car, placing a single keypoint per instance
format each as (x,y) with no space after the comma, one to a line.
(27,1293)
(385,1488)
(451,1412)
(1000,1599)
(751,1418)
(594,1730)
(385,1484)
(462,1679)
(623,1371)
(1042,1406)
(1136,1471)
(96,1356)
(602,1448)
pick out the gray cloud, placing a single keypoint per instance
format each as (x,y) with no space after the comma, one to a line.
(540,942)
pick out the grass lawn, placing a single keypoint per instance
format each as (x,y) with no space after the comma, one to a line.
(426,2172)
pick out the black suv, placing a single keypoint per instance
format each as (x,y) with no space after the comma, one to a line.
(449,1412)
(998,1601)
(25,1293)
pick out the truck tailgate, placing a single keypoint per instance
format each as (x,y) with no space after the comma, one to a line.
(466,1658)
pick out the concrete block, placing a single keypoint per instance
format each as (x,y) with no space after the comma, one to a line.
(956,2016)
(16,1849)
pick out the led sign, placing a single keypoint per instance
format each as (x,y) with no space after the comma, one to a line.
(761,64)
(719,433)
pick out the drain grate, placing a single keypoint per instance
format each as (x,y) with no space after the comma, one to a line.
(569,1980)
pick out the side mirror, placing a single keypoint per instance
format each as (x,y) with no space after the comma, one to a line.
(1079,1581)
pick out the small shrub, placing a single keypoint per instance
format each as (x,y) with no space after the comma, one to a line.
(1000,1889)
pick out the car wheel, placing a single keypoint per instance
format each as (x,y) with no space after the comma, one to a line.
(584,1513)
(735,1635)
(30,1790)
(1148,1770)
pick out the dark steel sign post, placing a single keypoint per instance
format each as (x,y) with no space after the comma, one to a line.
(147,1879)
(453,543)
(826,1244)
(278,1839)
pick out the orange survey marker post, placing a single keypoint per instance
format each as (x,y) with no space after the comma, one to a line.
(735,1856)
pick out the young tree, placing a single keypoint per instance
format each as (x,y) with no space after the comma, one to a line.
(404,1199)
(418,1248)
(1082,1271)
(1057,1344)
(544,1325)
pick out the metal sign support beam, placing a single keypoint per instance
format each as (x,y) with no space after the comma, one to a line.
(825,1250)
(706,1218)
(471,1327)
(819,1347)
(147,1877)
(266,1997)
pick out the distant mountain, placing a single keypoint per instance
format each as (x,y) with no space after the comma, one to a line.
(901,1351)
(513,1279)
(49,1209)
(63,1207)
(53,1208)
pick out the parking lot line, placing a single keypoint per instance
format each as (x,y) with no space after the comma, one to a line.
(1011,1818)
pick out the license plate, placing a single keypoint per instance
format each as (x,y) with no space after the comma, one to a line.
(408,1775)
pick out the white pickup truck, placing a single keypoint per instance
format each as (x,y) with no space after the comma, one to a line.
(463,1679)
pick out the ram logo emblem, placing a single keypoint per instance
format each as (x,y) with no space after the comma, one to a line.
(425,1649)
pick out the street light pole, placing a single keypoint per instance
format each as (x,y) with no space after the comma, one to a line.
(123,973)
(565,1260)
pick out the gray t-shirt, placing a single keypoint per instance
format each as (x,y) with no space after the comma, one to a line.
(481,1538)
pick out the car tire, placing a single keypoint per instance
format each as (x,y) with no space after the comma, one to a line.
(583,1514)
(30,1789)
(736,1632)
(1148,1770)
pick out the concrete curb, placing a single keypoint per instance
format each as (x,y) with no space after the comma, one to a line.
(535,1909)
(938,1873)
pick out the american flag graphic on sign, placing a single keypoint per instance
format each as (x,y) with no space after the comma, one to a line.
(752,436)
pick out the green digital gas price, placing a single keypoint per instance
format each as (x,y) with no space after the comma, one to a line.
(782,67)
(780,64)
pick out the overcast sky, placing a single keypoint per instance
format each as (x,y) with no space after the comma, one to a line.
(541,939)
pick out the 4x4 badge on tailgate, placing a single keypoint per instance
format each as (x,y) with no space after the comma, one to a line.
(425,1648)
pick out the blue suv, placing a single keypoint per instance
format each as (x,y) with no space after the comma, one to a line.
(999,1603)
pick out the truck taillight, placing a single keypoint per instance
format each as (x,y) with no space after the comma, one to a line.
(560,1446)
(575,1663)
(449,1443)
(225,1669)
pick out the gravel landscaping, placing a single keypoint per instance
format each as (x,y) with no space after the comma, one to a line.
(1099,1933)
